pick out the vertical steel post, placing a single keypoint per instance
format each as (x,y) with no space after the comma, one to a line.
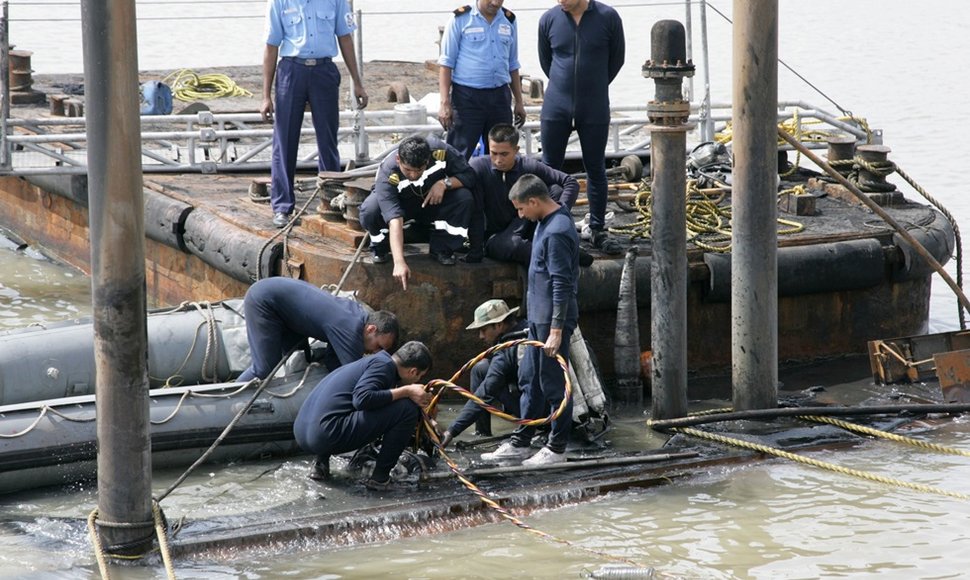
(668,113)
(754,259)
(116,211)
(689,35)
(707,123)
(360,120)
(6,162)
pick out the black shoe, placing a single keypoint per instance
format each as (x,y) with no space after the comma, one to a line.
(379,257)
(606,244)
(321,469)
(472,258)
(585,259)
(444,258)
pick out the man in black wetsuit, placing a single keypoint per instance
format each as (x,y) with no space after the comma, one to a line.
(376,397)
(581,50)
(495,379)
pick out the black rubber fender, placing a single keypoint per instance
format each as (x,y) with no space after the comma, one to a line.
(832,267)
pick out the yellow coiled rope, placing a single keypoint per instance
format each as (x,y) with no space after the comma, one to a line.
(189,86)
(708,217)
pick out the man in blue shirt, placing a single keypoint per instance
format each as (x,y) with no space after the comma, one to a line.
(375,397)
(426,181)
(581,50)
(553,313)
(281,313)
(304,37)
(495,229)
(479,62)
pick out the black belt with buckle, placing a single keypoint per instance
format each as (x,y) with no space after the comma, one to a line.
(308,61)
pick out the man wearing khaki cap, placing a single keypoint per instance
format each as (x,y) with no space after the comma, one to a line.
(495,379)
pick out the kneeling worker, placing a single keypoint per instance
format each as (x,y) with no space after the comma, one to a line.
(361,402)
(427,181)
(495,379)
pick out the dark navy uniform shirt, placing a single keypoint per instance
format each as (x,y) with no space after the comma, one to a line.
(494,185)
(554,271)
(580,61)
(359,386)
(391,186)
(503,366)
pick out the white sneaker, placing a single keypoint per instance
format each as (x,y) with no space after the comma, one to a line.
(545,456)
(507,451)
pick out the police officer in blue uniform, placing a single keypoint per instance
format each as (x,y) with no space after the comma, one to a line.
(581,50)
(553,313)
(478,66)
(428,181)
(377,397)
(507,237)
(304,36)
(281,313)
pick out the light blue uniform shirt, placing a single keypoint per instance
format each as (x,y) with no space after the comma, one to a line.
(480,55)
(308,28)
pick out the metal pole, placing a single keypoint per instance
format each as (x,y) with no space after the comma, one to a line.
(707,123)
(668,65)
(5,161)
(118,274)
(754,260)
(689,29)
(360,121)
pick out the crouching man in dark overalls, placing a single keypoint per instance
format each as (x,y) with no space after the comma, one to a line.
(495,380)
(282,313)
(426,181)
(376,397)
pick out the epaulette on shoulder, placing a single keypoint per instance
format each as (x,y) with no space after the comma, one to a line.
(462,10)
(439,154)
(394,179)
(509,15)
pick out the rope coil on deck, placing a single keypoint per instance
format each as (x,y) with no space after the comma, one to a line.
(708,216)
(190,86)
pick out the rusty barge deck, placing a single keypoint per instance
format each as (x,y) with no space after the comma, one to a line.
(843,280)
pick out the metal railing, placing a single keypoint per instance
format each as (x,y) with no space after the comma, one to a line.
(209,142)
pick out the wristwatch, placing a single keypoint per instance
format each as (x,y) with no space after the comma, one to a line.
(448,182)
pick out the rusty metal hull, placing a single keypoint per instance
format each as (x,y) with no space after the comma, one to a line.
(816,319)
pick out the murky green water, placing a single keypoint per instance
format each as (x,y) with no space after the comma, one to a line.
(896,63)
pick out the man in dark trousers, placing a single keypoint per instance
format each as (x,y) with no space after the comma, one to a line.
(282,313)
(494,380)
(495,229)
(304,36)
(427,181)
(478,65)
(581,50)
(553,312)
(376,397)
